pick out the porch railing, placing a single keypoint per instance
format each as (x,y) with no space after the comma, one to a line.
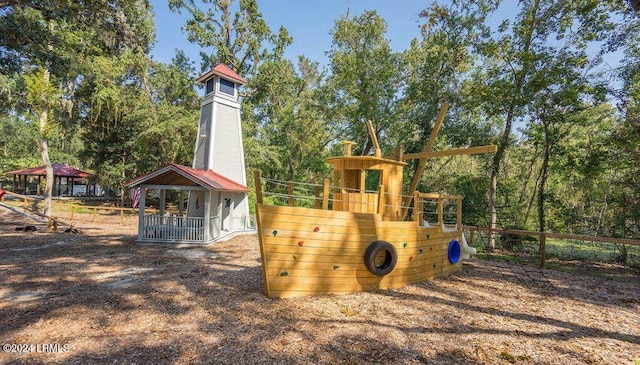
(173,229)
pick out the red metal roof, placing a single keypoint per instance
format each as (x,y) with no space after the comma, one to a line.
(58,170)
(224,71)
(174,174)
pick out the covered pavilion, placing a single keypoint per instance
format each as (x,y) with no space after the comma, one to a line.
(28,181)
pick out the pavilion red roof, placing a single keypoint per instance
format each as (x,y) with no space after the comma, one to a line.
(174,174)
(222,70)
(58,170)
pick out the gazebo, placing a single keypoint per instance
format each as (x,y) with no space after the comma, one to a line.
(213,209)
(25,182)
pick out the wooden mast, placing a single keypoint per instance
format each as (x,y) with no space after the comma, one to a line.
(427,153)
(422,164)
(374,139)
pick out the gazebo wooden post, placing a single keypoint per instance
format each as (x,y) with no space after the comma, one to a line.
(141,206)
(219,210)
(162,198)
(207,215)
(38,192)
(181,201)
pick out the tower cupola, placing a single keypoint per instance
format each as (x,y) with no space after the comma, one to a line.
(222,81)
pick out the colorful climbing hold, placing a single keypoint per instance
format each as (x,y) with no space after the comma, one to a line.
(420,250)
(295,257)
(316,229)
(404,244)
(428,236)
(275,232)
(300,243)
(284,273)
(335,267)
(410,258)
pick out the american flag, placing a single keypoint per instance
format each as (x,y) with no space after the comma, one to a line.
(135,197)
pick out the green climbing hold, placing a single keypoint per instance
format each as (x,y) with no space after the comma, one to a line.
(420,250)
(404,244)
(335,267)
(284,273)
(275,232)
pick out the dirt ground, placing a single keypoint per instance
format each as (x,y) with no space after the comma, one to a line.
(96,297)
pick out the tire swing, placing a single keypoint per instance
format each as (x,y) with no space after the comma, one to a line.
(453,252)
(390,258)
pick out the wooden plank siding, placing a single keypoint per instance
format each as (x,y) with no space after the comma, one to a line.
(310,251)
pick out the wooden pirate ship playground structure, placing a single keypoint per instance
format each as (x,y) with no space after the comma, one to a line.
(345,237)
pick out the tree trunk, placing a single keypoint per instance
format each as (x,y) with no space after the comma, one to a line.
(497,158)
(495,169)
(44,145)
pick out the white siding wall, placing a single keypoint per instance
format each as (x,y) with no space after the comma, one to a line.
(196,204)
(227,146)
(200,160)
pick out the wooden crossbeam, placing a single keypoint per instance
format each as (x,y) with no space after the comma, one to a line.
(454,152)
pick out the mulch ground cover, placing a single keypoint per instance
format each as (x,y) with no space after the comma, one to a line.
(95,297)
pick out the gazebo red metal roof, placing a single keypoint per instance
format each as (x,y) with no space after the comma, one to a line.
(176,175)
(223,70)
(58,170)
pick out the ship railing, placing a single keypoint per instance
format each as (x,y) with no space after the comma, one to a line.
(427,209)
(431,209)
(318,196)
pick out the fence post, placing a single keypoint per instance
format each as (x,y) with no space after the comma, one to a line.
(256,176)
(121,216)
(543,248)
(316,201)
(325,195)
(72,212)
(440,213)
(381,199)
(290,189)
(417,208)
(95,213)
(459,212)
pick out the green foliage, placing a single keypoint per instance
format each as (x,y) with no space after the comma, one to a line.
(287,133)
(568,159)
(364,89)
(239,39)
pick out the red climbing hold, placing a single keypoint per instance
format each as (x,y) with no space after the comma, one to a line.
(316,229)
(410,258)
(300,243)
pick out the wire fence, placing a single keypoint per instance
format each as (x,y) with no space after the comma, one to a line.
(561,247)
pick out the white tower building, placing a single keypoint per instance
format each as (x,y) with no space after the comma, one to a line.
(219,148)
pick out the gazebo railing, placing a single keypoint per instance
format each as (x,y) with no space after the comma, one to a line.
(172,229)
